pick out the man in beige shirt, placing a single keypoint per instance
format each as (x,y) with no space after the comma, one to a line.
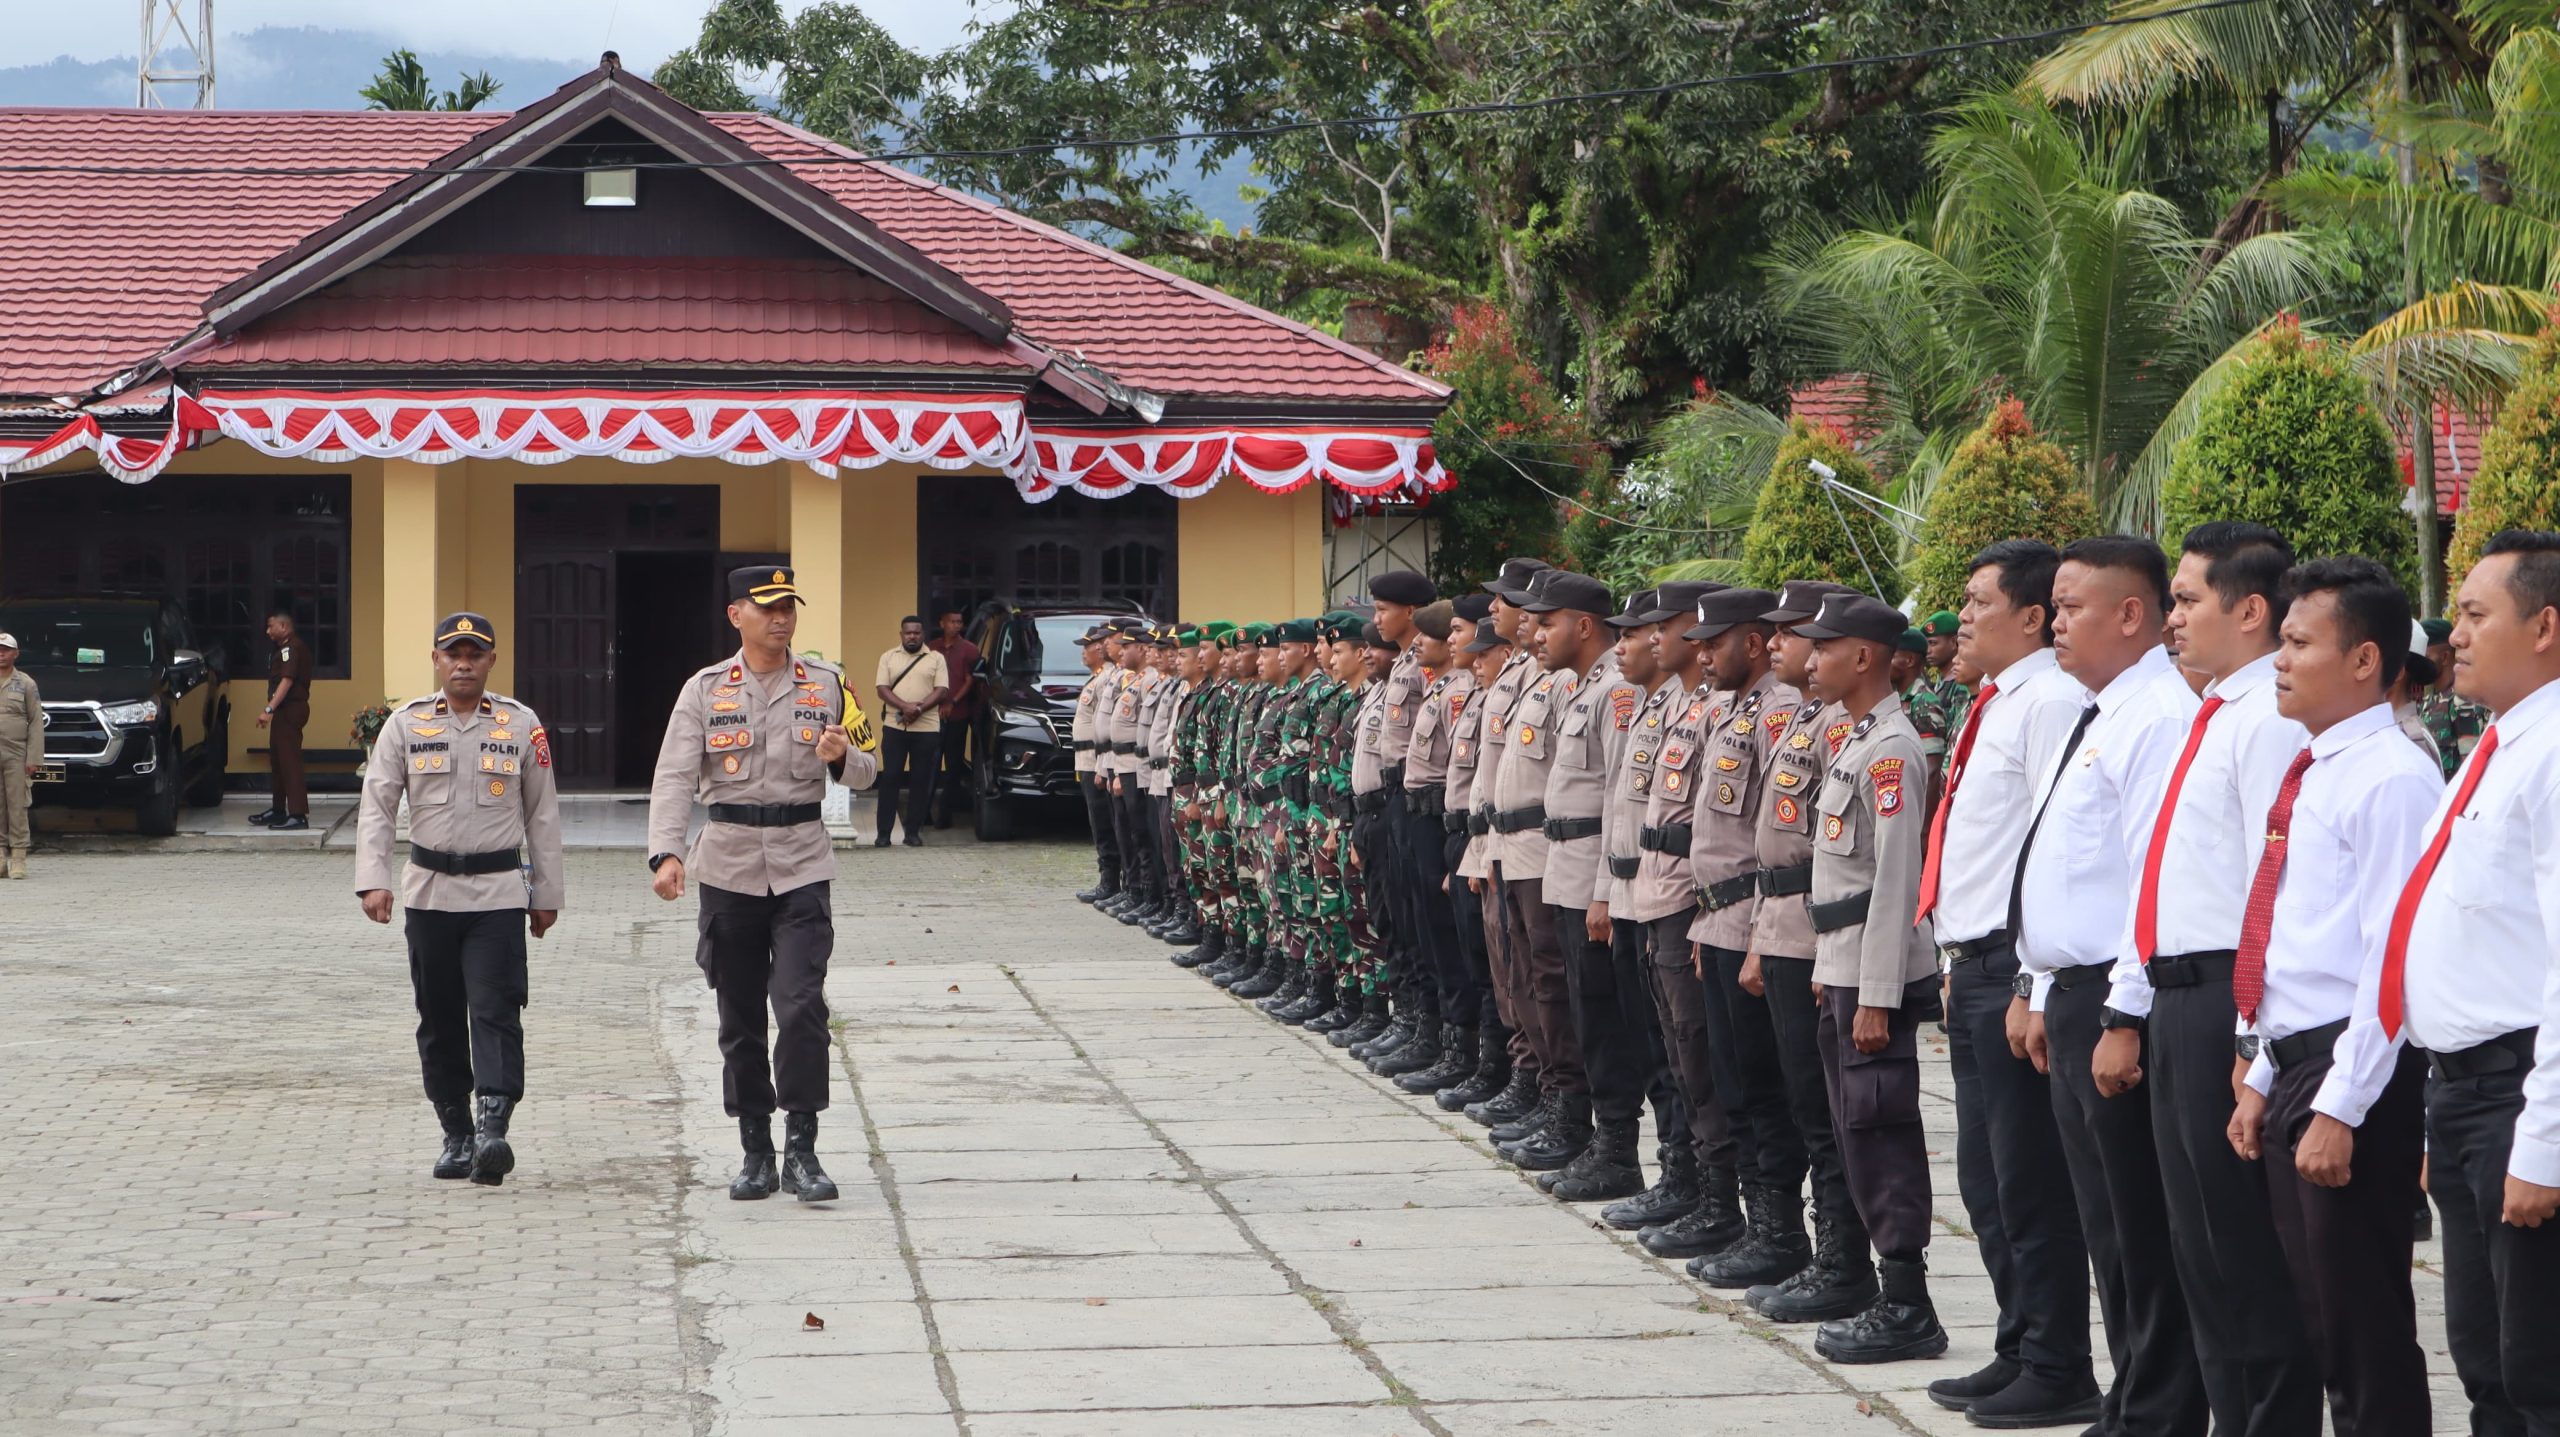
(483,870)
(754,737)
(912,683)
(21,752)
(1084,740)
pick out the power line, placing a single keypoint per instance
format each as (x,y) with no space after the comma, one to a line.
(1240,133)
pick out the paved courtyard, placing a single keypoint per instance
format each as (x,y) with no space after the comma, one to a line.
(1083,1193)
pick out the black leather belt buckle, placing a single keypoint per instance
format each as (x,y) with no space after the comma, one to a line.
(1972,948)
(464,865)
(2306,1046)
(1840,913)
(1454,823)
(1566,830)
(1716,897)
(1623,867)
(1787,882)
(1520,820)
(2186,970)
(2081,975)
(1479,823)
(765,815)
(1369,802)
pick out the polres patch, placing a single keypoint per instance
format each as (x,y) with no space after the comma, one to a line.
(1887,774)
(541,746)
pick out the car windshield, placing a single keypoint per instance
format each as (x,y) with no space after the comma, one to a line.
(1045,644)
(64,637)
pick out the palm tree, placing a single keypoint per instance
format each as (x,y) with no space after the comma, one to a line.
(2043,269)
(402,84)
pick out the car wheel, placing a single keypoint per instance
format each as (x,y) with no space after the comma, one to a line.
(206,791)
(989,814)
(158,815)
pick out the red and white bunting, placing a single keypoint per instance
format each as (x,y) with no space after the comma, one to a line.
(828,431)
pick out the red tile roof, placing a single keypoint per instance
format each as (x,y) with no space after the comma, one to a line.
(2457,455)
(1839,402)
(581,311)
(100,272)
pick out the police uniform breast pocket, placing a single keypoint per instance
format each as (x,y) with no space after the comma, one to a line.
(808,725)
(1836,831)
(1580,746)
(1676,770)
(728,754)
(1792,788)
(1529,726)
(430,772)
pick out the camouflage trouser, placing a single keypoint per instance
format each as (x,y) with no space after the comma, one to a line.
(1260,905)
(1365,960)
(1221,904)
(1280,865)
(1191,837)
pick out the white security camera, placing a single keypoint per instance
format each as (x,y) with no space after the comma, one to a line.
(1821,470)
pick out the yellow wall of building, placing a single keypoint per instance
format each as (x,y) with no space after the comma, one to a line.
(1246,555)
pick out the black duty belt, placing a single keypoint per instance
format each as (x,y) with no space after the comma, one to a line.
(1786,882)
(463,865)
(1989,945)
(1124,746)
(2186,970)
(2306,1046)
(1079,745)
(765,815)
(1369,802)
(1623,867)
(1394,775)
(1159,763)
(1520,820)
(1262,793)
(1565,830)
(2081,975)
(1840,913)
(1669,838)
(1427,802)
(1456,822)
(2502,1054)
(1717,896)
(1480,822)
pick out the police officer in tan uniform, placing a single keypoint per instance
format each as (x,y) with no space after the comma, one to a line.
(1878,979)
(483,870)
(21,752)
(753,738)
(1083,737)
(1522,1106)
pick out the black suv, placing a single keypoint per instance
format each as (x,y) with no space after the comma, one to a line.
(1029,672)
(134,716)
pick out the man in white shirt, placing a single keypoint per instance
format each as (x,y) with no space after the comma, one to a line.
(2338,1104)
(2227,603)
(2009,1166)
(2085,852)
(2469,975)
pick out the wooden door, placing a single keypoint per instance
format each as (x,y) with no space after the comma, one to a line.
(564,660)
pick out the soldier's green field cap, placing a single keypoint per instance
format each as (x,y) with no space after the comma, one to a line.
(1914,641)
(1339,627)
(1940,625)
(1294,631)
(2439,631)
(1189,636)
(1255,633)
(466,629)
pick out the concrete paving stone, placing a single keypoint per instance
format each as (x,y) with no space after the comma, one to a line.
(1417,1269)
(1381,1420)
(1466,1188)
(782,1227)
(872,1425)
(788,1281)
(1052,1236)
(778,1329)
(829,1385)
(1832,1416)
(1060,1198)
(1086,1132)
(1722,1364)
(1149,1275)
(1015,1324)
(1346,1159)
(1161,1377)
(1273,1131)
(1527,1312)
(914,1170)
(1510,1226)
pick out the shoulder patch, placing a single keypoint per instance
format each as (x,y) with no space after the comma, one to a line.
(1887,775)
(1837,734)
(1776,722)
(1622,708)
(541,746)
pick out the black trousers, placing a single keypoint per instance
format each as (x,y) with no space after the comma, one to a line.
(2349,1250)
(1503,959)
(1745,1046)
(2017,1193)
(1717,1127)
(1177,884)
(284,757)
(770,948)
(1618,1061)
(467,972)
(2501,1282)
(1474,972)
(1797,1019)
(1630,950)
(1141,867)
(1106,834)
(1543,1001)
(1457,983)
(2115,1177)
(2261,1374)
(1875,1108)
(953,779)
(906,765)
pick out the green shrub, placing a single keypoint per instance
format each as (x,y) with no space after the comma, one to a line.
(1800,531)
(1504,424)
(2518,486)
(2003,483)
(2289,442)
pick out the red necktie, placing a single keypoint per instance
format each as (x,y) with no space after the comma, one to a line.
(2146,909)
(2395,954)
(1955,774)
(2249,973)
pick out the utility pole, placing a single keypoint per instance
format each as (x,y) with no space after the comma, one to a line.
(2422,413)
(175,52)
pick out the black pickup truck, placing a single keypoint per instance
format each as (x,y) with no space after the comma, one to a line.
(1029,672)
(134,715)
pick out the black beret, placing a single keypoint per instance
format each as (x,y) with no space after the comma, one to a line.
(1474,608)
(1402,586)
(1433,618)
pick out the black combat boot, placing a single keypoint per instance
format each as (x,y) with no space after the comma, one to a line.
(757,1178)
(1213,946)
(1837,1283)
(1560,1141)
(1184,929)
(1415,1054)
(1540,1112)
(1492,1074)
(1457,1062)
(2030,1399)
(1374,1018)
(1139,914)
(1899,1326)
(1519,1094)
(1673,1194)
(1266,980)
(1401,1024)
(1293,986)
(1342,1009)
(1243,960)
(1314,1002)
(801,1175)
(1104,889)
(491,1158)
(1607,1170)
(453,1160)
(1713,1226)
(1773,1250)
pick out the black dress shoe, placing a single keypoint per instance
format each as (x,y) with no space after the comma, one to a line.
(2034,1400)
(290,823)
(265,816)
(881,842)
(915,840)
(1958,1393)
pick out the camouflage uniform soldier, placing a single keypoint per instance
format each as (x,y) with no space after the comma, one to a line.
(2454,722)
(1227,843)
(1194,786)
(1268,770)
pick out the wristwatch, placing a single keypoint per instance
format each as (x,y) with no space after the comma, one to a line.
(2110,1019)
(2022,985)
(2245,1047)
(657,858)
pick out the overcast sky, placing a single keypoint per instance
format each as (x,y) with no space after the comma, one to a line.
(643,30)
